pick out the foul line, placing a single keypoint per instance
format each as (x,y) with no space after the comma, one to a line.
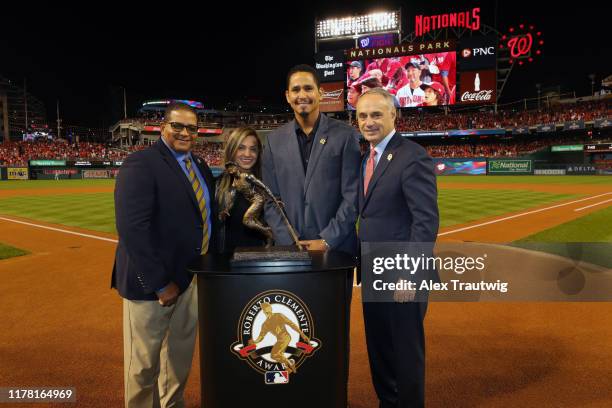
(440,234)
(592,205)
(521,215)
(60,230)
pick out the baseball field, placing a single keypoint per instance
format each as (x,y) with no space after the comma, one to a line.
(62,324)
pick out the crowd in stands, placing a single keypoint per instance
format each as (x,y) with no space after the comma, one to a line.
(19,153)
(486,149)
(422,120)
(211,152)
(508,148)
(559,113)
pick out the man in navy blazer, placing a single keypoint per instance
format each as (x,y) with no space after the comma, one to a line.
(397,202)
(312,164)
(163,205)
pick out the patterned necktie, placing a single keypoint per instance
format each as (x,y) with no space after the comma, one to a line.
(369,171)
(199,193)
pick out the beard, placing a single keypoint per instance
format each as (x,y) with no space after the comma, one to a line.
(303,112)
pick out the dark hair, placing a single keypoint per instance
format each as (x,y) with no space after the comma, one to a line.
(304,68)
(178,106)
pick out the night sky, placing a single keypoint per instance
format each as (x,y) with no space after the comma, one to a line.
(218,54)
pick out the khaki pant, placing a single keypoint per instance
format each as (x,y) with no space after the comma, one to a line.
(158,345)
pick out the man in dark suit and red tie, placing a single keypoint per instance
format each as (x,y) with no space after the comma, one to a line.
(397,202)
(164,198)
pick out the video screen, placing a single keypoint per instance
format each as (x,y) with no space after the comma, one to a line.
(414,80)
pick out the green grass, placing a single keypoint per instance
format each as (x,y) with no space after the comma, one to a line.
(92,211)
(7,252)
(34,184)
(593,227)
(578,180)
(462,206)
(587,238)
(95,211)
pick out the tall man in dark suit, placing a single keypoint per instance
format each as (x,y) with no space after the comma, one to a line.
(312,164)
(163,200)
(397,202)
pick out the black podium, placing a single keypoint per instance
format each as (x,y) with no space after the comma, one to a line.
(237,305)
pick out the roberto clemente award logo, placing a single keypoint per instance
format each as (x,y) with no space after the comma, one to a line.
(276,335)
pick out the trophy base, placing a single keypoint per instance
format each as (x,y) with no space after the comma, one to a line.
(251,257)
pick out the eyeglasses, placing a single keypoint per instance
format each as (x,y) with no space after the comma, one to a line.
(178,127)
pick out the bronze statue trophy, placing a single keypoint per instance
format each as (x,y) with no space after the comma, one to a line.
(257,193)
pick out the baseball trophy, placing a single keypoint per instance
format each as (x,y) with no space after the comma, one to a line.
(257,193)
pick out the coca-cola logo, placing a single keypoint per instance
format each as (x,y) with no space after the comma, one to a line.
(484,95)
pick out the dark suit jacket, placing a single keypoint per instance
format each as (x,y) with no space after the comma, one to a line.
(401,204)
(323,202)
(159,223)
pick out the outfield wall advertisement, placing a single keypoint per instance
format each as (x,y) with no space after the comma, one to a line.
(99,174)
(452,167)
(17,173)
(505,166)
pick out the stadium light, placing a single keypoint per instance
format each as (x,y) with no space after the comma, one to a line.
(351,27)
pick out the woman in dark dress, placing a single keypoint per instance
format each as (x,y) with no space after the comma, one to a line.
(243,148)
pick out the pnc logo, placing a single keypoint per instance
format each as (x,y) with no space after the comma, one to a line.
(477,52)
(484,51)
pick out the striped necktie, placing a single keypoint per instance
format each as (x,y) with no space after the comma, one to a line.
(199,193)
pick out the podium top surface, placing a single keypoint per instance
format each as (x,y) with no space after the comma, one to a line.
(321,261)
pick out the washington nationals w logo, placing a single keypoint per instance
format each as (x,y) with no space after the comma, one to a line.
(520,45)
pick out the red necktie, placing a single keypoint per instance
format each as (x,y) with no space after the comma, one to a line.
(369,171)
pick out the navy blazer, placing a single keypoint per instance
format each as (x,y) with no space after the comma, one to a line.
(401,203)
(159,223)
(321,202)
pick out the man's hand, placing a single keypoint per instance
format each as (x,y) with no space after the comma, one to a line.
(315,245)
(169,295)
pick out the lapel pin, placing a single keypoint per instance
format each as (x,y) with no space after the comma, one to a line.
(322,141)
(389,157)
